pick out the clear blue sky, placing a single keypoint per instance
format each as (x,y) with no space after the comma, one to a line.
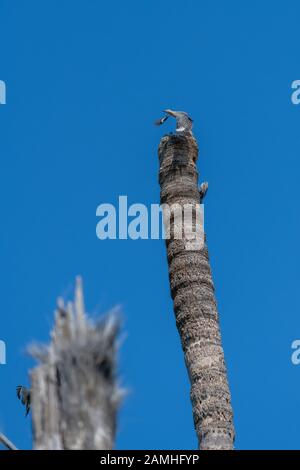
(85,81)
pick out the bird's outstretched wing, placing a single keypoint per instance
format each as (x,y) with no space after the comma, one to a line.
(161,121)
(19,392)
(27,405)
(23,394)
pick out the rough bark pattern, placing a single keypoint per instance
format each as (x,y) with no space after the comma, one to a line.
(194,301)
(74,392)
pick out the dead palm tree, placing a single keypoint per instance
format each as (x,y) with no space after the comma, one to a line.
(193,295)
(75,395)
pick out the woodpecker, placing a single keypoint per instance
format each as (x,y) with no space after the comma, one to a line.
(184,122)
(203,190)
(23,394)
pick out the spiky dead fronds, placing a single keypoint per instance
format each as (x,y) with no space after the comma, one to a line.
(75,394)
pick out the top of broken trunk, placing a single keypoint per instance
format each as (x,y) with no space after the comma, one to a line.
(177,150)
(178,155)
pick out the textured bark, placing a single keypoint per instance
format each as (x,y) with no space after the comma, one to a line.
(74,395)
(194,301)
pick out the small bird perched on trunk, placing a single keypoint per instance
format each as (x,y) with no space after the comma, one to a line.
(184,122)
(203,190)
(23,394)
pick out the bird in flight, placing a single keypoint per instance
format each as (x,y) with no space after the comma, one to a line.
(23,394)
(184,122)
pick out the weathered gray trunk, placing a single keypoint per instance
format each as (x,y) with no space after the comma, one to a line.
(193,295)
(74,395)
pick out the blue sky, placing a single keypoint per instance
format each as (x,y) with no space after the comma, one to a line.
(85,81)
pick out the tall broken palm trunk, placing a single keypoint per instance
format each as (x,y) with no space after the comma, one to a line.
(193,296)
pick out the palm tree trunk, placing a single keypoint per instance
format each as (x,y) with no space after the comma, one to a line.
(195,307)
